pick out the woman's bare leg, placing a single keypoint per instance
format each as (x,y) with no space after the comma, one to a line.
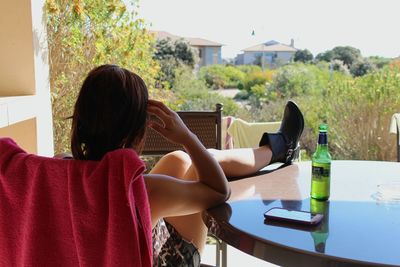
(190,227)
(234,162)
(242,161)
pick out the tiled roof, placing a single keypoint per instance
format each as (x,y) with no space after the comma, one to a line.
(202,42)
(164,35)
(192,41)
(270,48)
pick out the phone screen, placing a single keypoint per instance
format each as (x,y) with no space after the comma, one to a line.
(304,217)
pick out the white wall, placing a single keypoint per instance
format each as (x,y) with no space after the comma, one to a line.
(44,119)
(249,57)
(282,57)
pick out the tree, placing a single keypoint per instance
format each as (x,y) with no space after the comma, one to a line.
(185,53)
(303,56)
(347,54)
(172,55)
(86,33)
(164,49)
(325,56)
(179,50)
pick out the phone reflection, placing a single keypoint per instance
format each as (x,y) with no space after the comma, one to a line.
(321,232)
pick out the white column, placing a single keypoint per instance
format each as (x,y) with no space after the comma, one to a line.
(44,120)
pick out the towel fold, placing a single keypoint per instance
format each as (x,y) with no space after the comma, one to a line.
(56,212)
(226,139)
(394,123)
(248,134)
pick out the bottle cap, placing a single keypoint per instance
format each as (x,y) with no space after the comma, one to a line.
(323,127)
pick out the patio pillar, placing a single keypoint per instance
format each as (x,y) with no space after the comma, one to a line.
(25,105)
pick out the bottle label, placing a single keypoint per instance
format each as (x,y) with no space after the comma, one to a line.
(320,171)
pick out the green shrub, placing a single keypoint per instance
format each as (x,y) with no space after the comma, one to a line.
(257,78)
(357,110)
(358,113)
(298,79)
(242,95)
(220,76)
(362,67)
(235,77)
(193,94)
(379,62)
(249,68)
(361,113)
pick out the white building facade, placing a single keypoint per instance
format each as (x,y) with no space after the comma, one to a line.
(268,54)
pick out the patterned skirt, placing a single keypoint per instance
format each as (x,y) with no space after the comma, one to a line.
(171,250)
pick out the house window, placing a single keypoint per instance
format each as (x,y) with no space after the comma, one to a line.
(200,53)
(215,55)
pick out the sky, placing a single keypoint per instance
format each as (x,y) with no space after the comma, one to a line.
(373,26)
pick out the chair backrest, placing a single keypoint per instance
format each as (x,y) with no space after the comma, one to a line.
(205,124)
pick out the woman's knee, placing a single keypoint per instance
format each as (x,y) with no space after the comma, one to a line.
(178,157)
(173,164)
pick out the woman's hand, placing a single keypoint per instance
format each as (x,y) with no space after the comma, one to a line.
(171,125)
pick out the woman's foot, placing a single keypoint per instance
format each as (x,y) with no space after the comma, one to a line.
(285,143)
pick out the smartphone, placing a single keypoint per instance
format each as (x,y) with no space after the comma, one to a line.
(295,216)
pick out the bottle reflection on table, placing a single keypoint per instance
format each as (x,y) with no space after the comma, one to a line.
(320,234)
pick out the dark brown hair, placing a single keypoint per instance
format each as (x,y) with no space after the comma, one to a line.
(110,113)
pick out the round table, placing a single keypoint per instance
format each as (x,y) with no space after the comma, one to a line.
(357,230)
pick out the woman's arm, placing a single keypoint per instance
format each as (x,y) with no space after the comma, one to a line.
(169,196)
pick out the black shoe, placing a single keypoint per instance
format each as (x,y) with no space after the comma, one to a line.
(285,143)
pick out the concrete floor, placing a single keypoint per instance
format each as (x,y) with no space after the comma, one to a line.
(236,258)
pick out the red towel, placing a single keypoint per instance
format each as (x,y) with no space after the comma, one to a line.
(56,212)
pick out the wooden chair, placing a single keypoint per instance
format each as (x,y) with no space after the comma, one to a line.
(205,124)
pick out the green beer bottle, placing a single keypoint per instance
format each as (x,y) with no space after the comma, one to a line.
(321,167)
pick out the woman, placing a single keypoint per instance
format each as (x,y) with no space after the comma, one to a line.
(111,113)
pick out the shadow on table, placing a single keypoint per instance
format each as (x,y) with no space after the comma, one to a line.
(268,169)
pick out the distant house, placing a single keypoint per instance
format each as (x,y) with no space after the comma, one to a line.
(270,53)
(209,52)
